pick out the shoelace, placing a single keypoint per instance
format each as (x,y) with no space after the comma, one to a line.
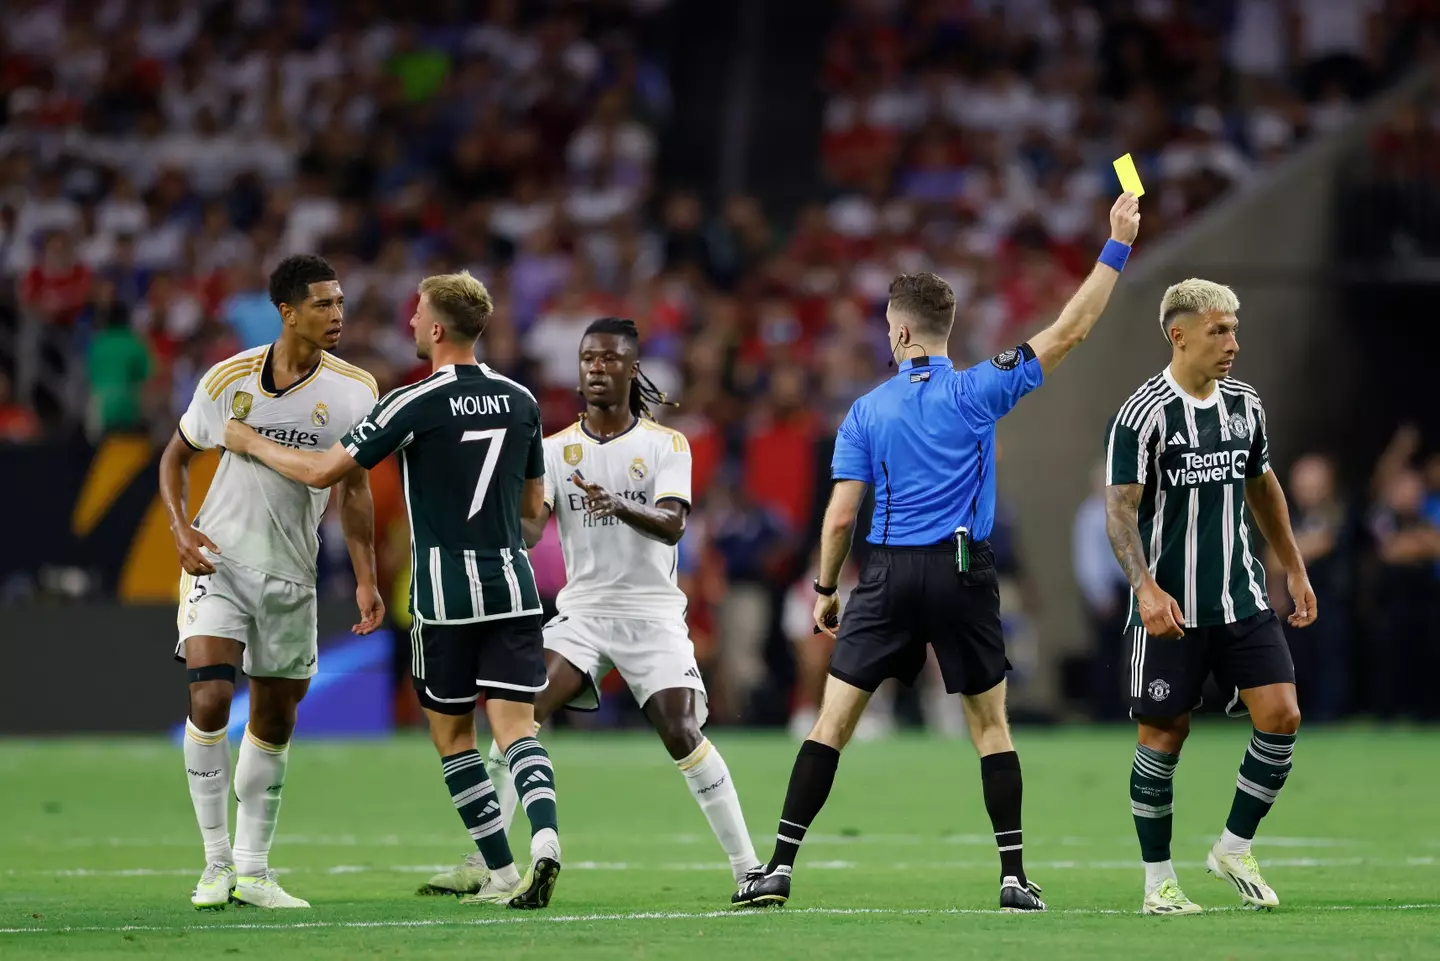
(213,872)
(475,860)
(1251,865)
(1170,891)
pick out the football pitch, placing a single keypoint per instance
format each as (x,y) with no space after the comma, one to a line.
(99,851)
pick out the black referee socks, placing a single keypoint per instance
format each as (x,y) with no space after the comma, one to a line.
(810,783)
(1003,785)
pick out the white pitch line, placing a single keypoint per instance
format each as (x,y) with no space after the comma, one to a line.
(985,864)
(652,916)
(811,840)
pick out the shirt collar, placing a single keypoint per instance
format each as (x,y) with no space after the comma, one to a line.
(924,361)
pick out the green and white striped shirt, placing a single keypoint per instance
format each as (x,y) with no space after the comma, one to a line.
(467,438)
(1193,458)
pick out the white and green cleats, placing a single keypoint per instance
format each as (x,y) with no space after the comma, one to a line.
(1168,899)
(1243,871)
(492,891)
(212,893)
(464,879)
(264,891)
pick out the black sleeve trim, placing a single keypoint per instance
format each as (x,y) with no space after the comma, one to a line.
(673,497)
(188,442)
(1027,351)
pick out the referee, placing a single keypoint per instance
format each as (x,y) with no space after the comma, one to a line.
(925,440)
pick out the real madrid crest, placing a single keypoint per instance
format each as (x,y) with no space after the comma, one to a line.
(1239,426)
(637,469)
(240,406)
(573,453)
(320,416)
(191,614)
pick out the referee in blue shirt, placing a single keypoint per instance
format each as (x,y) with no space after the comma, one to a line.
(925,440)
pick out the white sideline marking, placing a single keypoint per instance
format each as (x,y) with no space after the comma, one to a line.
(649,916)
(449,840)
(986,864)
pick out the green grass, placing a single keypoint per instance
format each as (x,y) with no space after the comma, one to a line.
(98,853)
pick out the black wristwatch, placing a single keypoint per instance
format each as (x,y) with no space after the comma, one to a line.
(825,591)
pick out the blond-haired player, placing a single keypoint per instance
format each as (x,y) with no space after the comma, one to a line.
(1186,454)
(247,595)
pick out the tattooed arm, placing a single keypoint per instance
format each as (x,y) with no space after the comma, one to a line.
(1159,611)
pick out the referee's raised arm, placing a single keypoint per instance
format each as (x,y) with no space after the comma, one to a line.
(925,441)
(1084,308)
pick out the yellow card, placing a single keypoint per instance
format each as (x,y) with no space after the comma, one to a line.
(1129,176)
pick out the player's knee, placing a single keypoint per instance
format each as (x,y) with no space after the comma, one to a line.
(210,703)
(1283,720)
(680,735)
(1167,735)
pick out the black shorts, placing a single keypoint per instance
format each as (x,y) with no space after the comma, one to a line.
(1168,675)
(453,664)
(909,597)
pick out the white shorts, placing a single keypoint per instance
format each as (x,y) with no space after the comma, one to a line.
(274,618)
(651,655)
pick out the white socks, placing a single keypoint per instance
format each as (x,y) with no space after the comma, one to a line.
(1156,873)
(499,770)
(259,777)
(207,766)
(1233,843)
(709,781)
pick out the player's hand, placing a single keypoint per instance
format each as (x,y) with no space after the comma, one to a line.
(1125,218)
(1303,596)
(598,501)
(188,544)
(827,613)
(1160,612)
(238,436)
(372,609)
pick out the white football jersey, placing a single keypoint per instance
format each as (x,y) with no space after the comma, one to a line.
(255,516)
(611,569)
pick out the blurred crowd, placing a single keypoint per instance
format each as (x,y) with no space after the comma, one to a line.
(158,157)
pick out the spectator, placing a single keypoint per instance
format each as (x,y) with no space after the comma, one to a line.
(248,311)
(56,289)
(1324,653)
(1106,595)
(1403,656)
(119,366)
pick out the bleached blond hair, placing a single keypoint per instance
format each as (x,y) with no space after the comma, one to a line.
(461,302)
(1195,296)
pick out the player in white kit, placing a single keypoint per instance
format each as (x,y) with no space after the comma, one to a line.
(618,484)
(247,594)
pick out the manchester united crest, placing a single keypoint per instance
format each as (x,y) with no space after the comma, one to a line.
(320,416)
(240,406)
(637,469)
(1239,426)
(573,453)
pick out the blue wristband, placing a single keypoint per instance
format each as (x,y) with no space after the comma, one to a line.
(1114,255)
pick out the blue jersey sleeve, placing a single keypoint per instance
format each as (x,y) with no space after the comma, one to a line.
(851,460)
(990,388)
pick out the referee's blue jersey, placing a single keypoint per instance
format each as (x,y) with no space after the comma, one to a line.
(925,439)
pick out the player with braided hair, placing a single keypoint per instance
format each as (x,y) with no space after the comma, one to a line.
(618,484)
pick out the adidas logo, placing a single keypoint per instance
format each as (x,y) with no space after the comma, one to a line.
(1179,440)
(535,776)
(490,808)
(693,672)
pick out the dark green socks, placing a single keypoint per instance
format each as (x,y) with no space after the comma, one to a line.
(1152,801)
(534,782)
(474,798)
(1262,775)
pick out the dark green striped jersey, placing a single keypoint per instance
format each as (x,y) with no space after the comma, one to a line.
(468,439)
(1193,458)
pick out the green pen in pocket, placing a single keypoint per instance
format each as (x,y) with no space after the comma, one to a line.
(962,549)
